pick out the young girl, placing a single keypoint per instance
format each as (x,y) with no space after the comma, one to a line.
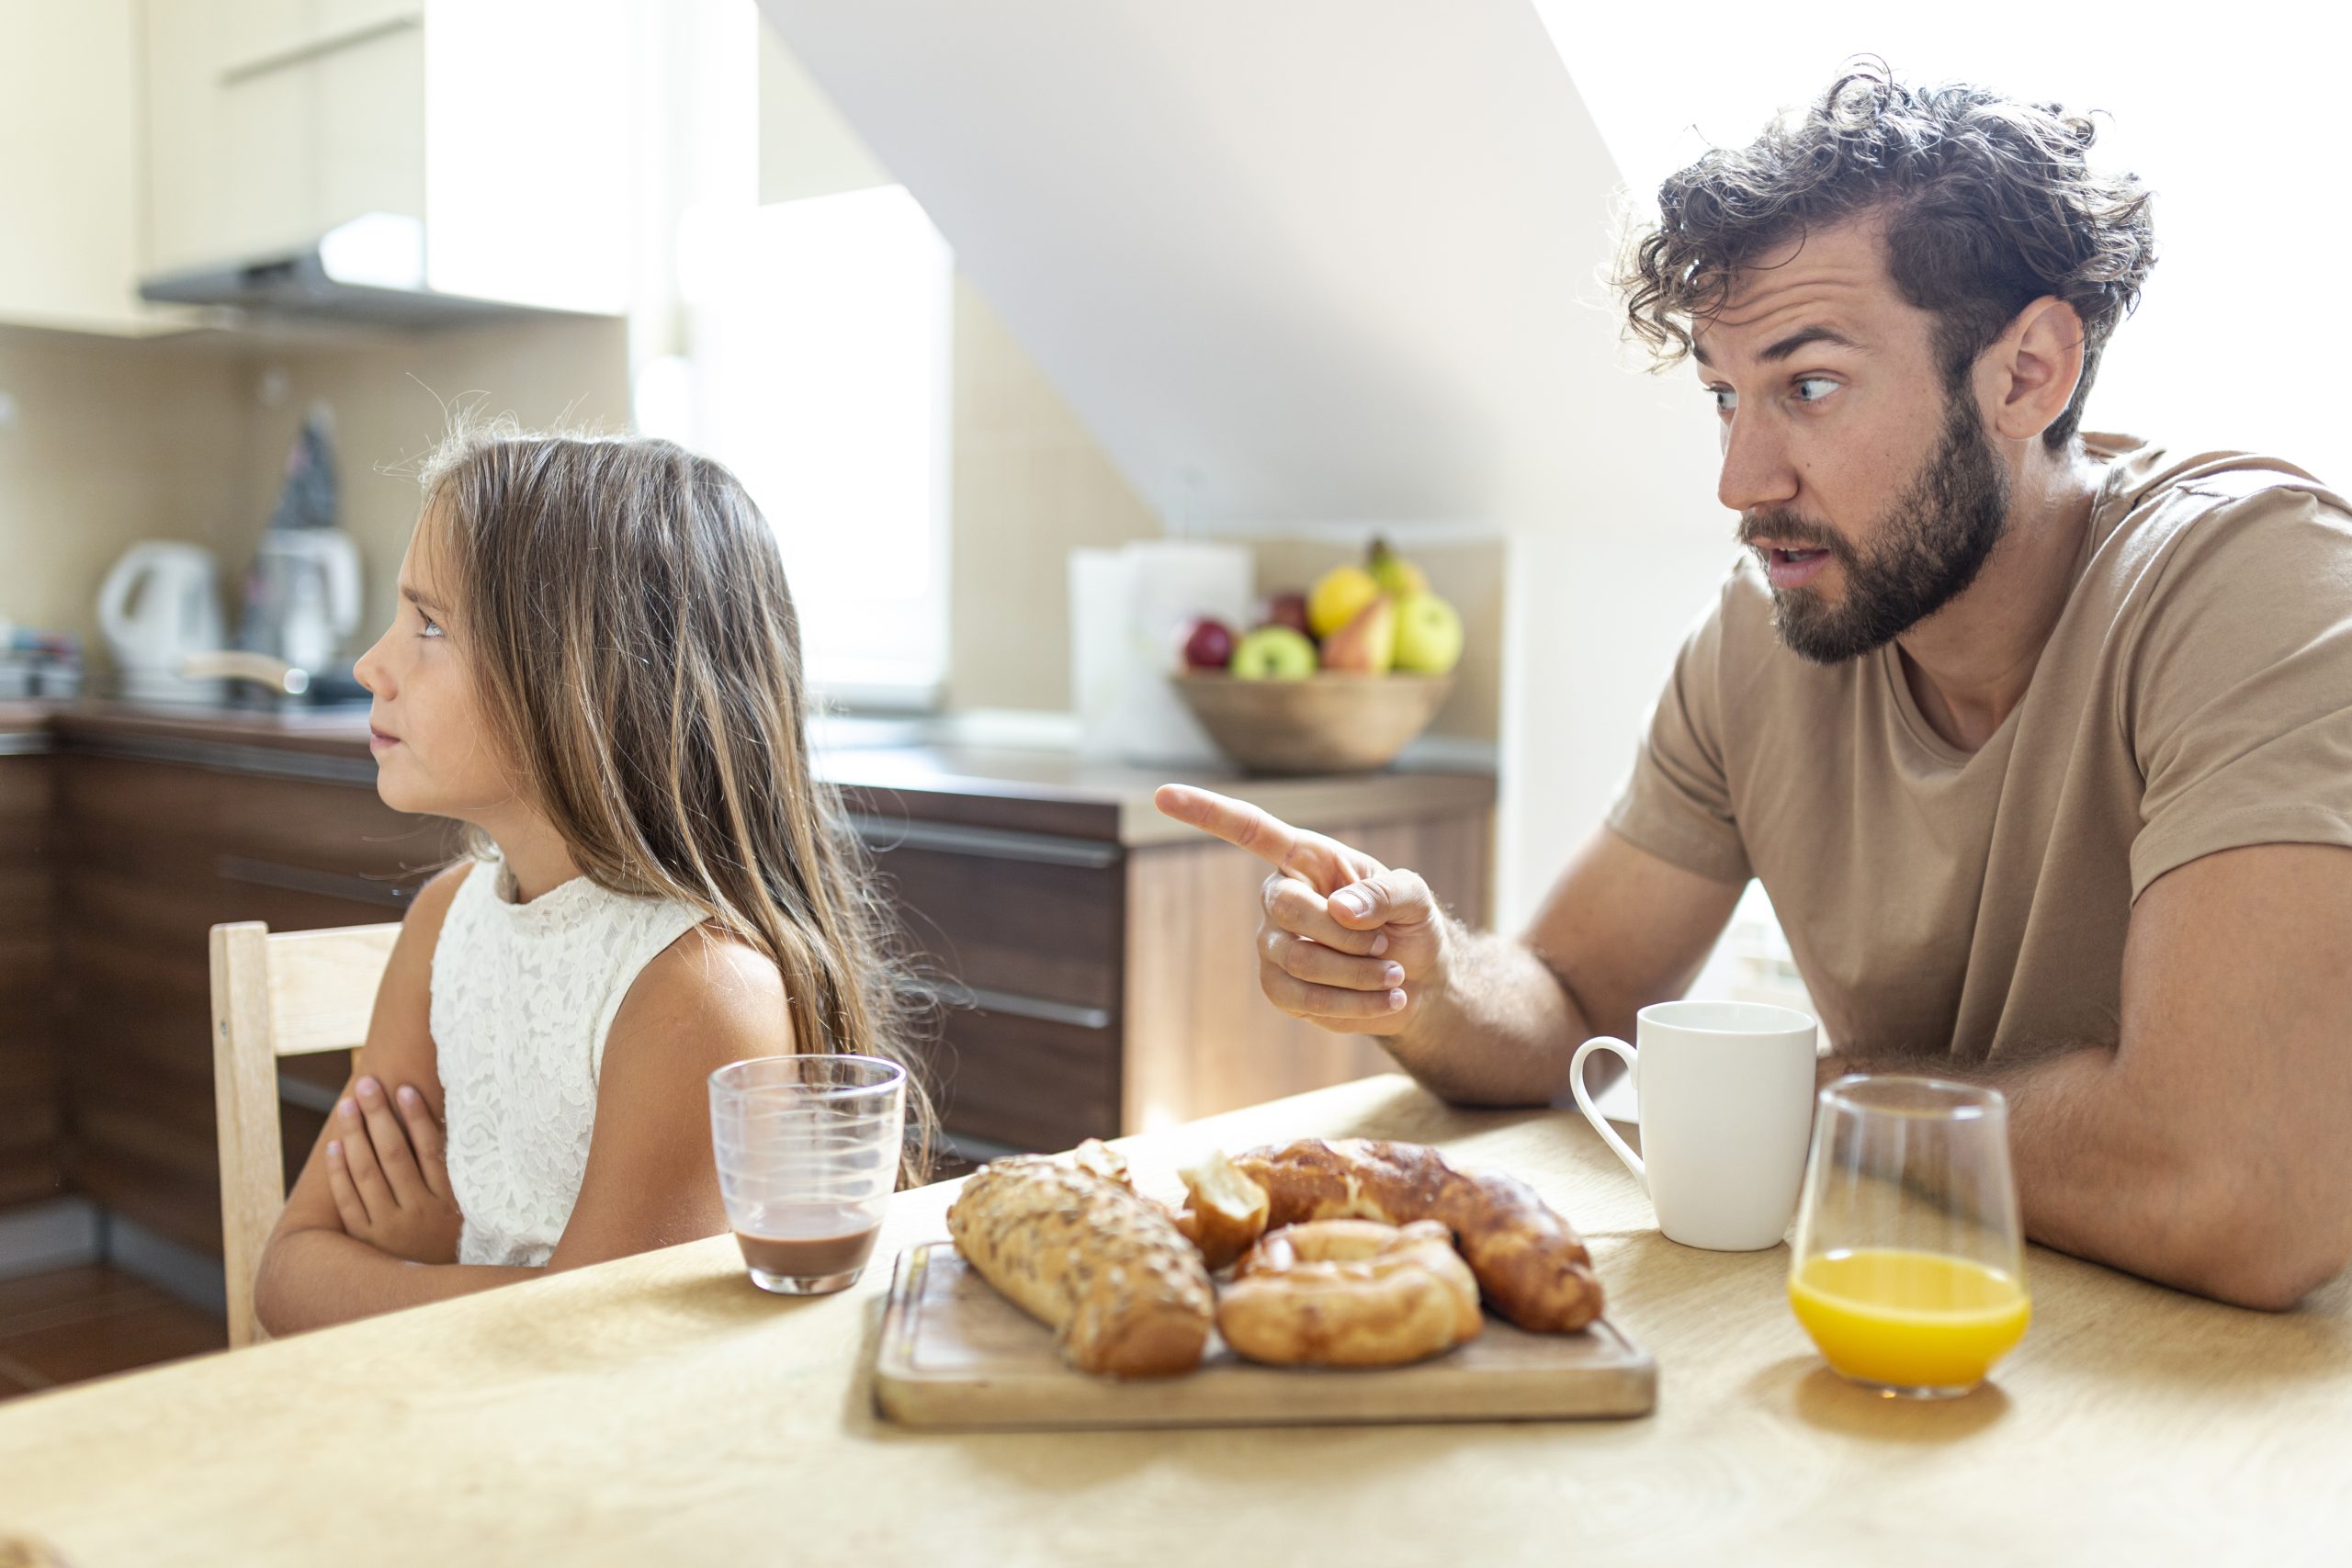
(596,665)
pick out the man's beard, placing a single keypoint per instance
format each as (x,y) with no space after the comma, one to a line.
(1934,541)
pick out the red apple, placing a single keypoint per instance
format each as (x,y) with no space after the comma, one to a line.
(1287,610)
(1205,643)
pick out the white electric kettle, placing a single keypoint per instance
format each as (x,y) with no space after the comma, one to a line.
(161,604)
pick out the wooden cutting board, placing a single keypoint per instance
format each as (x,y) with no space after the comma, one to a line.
(954,1353)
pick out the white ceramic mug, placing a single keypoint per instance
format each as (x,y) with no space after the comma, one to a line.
(1727,1110)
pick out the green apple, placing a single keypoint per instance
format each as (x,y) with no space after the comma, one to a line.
(1428,635)
(1274,653)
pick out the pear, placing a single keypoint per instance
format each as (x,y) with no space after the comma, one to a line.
(1367,645)
(1338,597)
(1398,578)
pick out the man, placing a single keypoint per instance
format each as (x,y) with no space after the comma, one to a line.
(2039,742)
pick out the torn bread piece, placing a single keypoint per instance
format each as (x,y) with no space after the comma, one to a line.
(1099,1158)
(1225,1211)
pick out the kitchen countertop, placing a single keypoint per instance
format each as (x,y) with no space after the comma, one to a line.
(660,1409)
(1032,791)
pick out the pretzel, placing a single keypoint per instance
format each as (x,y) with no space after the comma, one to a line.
(1349,1294)
(1528,1262)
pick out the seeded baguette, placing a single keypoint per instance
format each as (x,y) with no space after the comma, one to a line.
(1124,1292)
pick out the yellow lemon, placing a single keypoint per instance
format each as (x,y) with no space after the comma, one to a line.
(1339,596)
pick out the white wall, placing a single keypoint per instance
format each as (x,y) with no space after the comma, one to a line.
(2236,122)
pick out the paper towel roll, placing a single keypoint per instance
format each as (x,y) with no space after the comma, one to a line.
(1126,607)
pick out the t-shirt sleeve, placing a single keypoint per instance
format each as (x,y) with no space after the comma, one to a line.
(1678,803)
(2239,702)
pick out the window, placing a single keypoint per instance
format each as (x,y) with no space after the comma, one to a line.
(819,370)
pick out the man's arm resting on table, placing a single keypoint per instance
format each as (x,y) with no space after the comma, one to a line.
(2208,1149)
(1503,1017)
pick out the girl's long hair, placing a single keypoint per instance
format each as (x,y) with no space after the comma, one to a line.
(634,637)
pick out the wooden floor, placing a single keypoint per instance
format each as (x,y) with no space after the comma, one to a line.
(76,1324)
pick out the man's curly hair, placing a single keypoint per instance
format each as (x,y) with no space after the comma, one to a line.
(1990,205)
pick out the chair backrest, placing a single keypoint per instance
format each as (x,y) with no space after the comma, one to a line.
(285,995)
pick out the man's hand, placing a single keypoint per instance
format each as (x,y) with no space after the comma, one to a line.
(1345,942)
(389,1176)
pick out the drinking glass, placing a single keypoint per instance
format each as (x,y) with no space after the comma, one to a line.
(808,1153)
(1909,1268)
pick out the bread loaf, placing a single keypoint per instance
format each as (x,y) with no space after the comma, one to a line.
(1104,1268)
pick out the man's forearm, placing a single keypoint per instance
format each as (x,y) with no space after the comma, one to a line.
(2104,1173)
(1499,1031)
(311,1279)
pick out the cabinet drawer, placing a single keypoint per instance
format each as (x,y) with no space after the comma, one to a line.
(995,922)
(1025,1082)
(137,816)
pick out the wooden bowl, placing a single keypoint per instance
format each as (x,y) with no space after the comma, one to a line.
(1327,723)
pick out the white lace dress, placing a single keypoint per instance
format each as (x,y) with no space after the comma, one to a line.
(522,997)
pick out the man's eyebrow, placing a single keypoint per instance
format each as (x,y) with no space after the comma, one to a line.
(1803,337)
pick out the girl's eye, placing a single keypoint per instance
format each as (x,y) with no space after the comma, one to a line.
(432,627)
(1726,400)
(1826,385)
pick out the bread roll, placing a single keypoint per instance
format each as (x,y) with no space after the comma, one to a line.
(1105,1269)
(1349,1294)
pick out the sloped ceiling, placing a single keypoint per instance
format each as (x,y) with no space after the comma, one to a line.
(1314,261)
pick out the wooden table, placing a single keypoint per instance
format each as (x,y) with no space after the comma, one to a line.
(659,1410)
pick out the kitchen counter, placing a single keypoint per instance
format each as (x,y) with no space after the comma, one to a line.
(660,1409)
(1001,788)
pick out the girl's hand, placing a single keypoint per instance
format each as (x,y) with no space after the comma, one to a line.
(390,1180)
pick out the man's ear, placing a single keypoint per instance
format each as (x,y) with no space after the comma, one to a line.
(2031,371)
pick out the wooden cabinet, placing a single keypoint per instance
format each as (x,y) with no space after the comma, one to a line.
(166,836)
(1092,965)
(1095,965)
(270,121)
(70,181)
(29,1163)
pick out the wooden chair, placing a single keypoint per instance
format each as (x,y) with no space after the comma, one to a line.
(285,995)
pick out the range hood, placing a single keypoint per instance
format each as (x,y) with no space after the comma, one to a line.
(366,272)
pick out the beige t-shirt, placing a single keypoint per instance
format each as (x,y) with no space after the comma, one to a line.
(2195,695)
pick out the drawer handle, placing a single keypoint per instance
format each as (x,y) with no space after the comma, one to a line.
(995,843)
(302,879)
(980,999)
(977,1150)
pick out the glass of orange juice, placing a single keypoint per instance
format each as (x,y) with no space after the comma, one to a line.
(1908,1269)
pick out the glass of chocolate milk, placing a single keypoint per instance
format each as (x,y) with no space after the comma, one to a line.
(808,1152)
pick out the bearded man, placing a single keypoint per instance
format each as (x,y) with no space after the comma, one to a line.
(2039,740)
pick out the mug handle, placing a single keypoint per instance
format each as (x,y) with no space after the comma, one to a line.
(1584,1101)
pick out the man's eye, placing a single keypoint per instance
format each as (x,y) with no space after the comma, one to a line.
(1824,384)
(1725,399)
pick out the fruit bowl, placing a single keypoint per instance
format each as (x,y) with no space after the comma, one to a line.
(1325,723)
